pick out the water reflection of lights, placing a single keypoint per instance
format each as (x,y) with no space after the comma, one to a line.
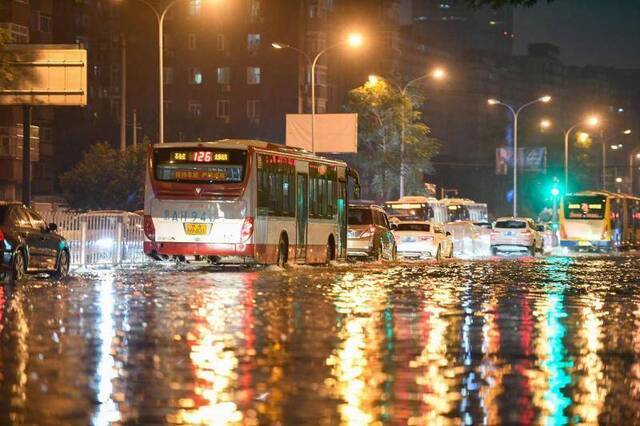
(434,375)
(108,411)
(214,360)
(591,392)
(355,364)
(491,369)
(19,328)
(550,388)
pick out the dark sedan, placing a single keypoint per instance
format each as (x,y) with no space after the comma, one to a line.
(29,245)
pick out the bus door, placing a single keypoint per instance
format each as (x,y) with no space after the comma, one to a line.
(342,219)
(302,216)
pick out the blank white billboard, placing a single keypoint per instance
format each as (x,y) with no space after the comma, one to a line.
(45,74)
(333,133)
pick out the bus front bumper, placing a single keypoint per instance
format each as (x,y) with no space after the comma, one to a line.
(586,244)
(162,249)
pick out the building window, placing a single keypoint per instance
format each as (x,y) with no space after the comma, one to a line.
(192,41)
(195,7)
(255,14)
(17,33)
(313,11)
(221,42)
(195,76)
(195,109)
(44,23)
(253,42)
(222,108)
(253,108)
(168,75)
(224,75)
(253,75)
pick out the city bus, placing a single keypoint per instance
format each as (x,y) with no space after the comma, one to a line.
(245,201)
(599,221)
(437,211)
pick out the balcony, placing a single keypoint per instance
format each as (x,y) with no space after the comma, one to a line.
(11,143)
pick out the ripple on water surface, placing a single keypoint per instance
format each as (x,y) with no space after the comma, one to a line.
(520,341)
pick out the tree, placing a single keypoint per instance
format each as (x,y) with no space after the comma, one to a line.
(382,111)
(5,58)
(106,179)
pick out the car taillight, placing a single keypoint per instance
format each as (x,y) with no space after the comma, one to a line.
(149,228)
(247,229)
(1,236)
(368,233)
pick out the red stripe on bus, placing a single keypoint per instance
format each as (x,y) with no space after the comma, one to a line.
(201,249)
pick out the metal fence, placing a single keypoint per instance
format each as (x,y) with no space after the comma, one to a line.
(101,238)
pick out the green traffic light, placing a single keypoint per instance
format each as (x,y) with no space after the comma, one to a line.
(555,192)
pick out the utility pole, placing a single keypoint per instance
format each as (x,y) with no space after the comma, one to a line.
(134,139)
(123,94)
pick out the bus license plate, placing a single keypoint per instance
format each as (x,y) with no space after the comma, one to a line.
(195,228)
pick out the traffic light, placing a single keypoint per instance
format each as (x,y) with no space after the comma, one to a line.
(555,191)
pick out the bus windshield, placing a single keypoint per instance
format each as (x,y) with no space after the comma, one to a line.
(409,211)
(456,212)
(584,207)
(199,165)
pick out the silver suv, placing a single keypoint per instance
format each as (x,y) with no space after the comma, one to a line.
(369,233)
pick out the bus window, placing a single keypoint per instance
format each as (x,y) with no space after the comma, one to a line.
(584,207)
(275,179)
(457,212)
(194,165)
(409,211)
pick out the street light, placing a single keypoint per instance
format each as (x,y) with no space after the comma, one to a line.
(438,73)
(591,121)
(516,113)
(545,124)
(354,40)
(605,141)
(160,15)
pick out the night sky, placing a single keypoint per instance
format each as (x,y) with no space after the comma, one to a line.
(598,32)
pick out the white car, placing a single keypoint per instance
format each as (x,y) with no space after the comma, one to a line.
(466,238)
(421,240)
(516,235)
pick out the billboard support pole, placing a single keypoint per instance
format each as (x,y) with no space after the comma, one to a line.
(26,155)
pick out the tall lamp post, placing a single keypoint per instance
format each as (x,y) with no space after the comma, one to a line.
(516,114)
(354,40)
(436,74)
(160,15)
(592,121)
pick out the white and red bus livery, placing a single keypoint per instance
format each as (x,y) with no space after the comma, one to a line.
(244,201)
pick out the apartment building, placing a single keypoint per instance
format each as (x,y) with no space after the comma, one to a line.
(26,22)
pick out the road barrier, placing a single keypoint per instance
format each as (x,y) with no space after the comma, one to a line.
(101,237)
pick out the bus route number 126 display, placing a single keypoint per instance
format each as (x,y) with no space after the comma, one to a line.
(199,156)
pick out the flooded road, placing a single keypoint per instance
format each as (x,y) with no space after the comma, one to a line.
(552,341)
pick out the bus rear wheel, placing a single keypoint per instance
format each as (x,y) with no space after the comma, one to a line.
(283,251)
(331,251)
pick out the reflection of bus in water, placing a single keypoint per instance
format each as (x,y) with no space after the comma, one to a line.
(599,220)
(437,211)
(244,201)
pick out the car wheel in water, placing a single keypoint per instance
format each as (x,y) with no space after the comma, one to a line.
(494,251)
(532,251)
(63,266)
(439,253)
(19,269)
(377,252)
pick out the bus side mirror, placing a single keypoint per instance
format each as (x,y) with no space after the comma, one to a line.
(356,192)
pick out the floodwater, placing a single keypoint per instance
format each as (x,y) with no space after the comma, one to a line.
(521,341)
